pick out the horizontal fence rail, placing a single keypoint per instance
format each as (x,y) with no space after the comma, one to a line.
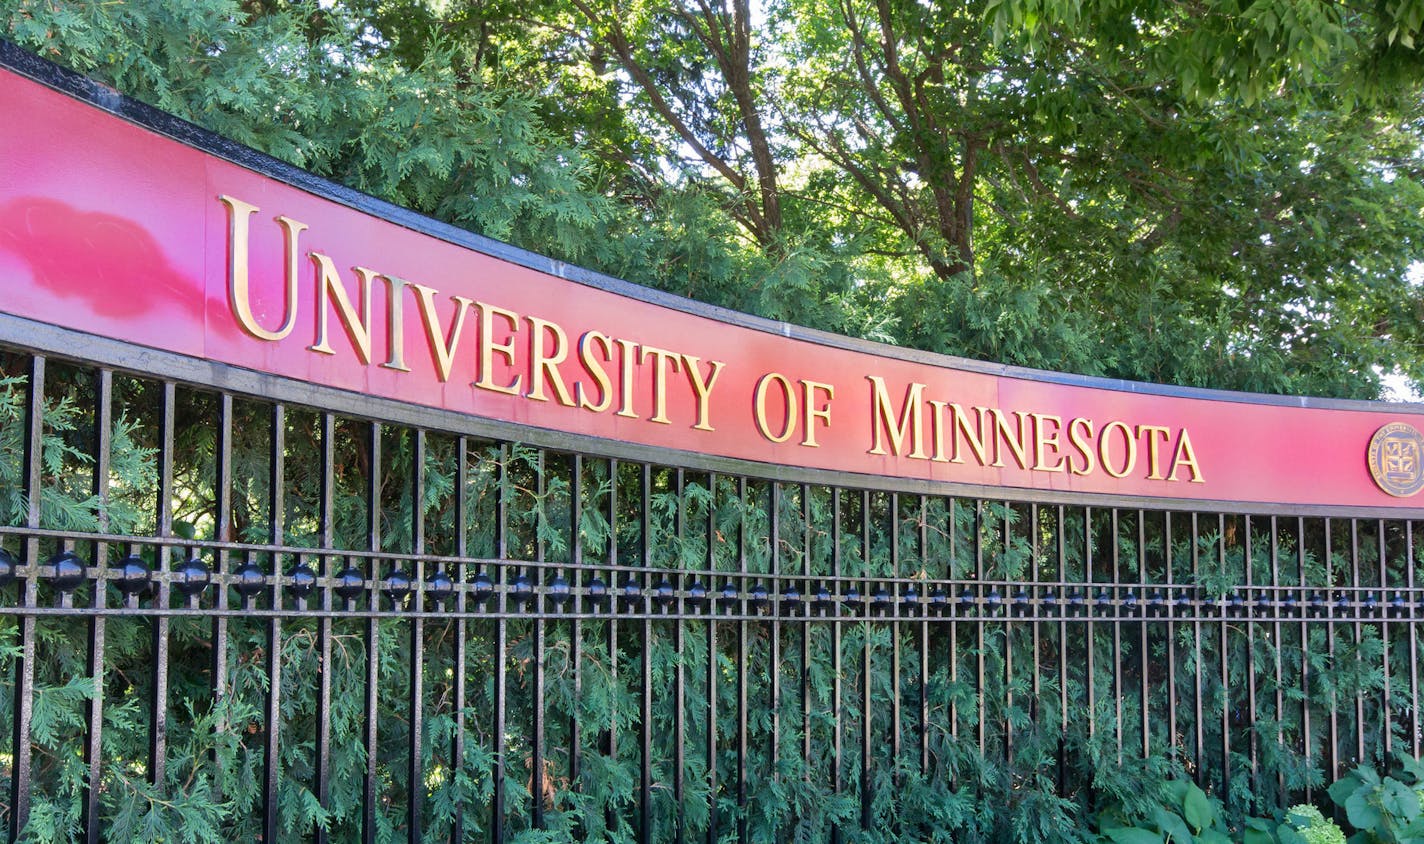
(227,616)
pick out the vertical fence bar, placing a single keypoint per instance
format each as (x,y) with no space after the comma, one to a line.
(865,716)
(712,542)
(1222,655)
(1248,608)
(806,593)
(1197,608)
(322,762)
(1278,645)
(275,514)
(679,726)
(223,504)
(462,550)
(1355,608)
(611,737)
(1116,608)
(1170,608)
(93,745)
(158,727)
(1412,638)
(1386,710)
(1008,627)
(576,577)
(893,610)
(415,773)
(742,585)
(773,663)
(1305,735)
(1036,608)
(501,646)
(1090,635)
(29,587)
(924,635)
(1060,548)
(645,682)
(1143,655)
(369,788)
(836,667)
(536,663)
(1330,604)
(979,609)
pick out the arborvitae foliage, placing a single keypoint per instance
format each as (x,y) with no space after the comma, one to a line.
(1006,761)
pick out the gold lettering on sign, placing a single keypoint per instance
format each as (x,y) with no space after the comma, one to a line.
(788,421)
(1129,459)
(1036,442)
(442,344)
(543,365)
(1045,439)
(1080,435)
(910,423)
(1184,456)
(238,292)
(330,291)
(815,413)
(594,367)
(489,348)
(661,358)
(395,323)
(702,386)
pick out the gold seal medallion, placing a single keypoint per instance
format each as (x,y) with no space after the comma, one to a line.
(1396,458)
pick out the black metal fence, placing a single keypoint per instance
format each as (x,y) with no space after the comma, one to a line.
(235,606)
(226,615)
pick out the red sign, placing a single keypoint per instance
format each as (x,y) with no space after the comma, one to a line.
(109,228)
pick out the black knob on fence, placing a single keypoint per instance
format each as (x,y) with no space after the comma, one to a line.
(249,580)
(349,584)
(133,576)
(303,581)
(598,592)
(7,568)
(482,588)
(192,578)
(630,592)
(521,589)
(398,585)
(439,586)
(559,592)
(68,571)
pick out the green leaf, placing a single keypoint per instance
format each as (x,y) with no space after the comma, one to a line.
(1399,800)
(1133,835)
(1362,810)
(1171,825)
(1343,788)
(1196,808)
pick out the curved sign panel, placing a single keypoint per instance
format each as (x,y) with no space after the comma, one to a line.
(112,228)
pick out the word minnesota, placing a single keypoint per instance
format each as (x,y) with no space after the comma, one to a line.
(516,355)
(946,432)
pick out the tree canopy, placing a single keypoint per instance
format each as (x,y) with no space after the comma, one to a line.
(1206,192)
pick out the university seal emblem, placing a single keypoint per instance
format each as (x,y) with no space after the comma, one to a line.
(1396,457)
